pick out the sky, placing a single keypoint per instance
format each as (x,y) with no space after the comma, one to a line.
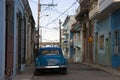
(50,16)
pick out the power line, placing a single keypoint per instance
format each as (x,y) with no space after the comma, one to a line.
(57,11)
(61,14)
(45,9)
(33,2)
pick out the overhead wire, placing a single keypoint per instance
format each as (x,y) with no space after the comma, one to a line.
(33,2)
(55,10)
(56,23)
(61,14)
(45,9)
(45,30)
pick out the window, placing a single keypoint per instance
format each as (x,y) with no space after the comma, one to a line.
(50,52)
(101,42)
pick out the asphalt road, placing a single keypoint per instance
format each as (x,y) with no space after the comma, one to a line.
(77,72)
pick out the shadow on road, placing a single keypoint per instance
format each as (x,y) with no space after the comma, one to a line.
(48,73)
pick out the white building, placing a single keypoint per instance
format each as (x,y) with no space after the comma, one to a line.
(67,27)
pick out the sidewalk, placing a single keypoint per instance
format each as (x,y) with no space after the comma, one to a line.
(105,68)
(27,74)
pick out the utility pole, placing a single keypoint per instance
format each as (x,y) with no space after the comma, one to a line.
(38,22)
(60,31)
(36,46)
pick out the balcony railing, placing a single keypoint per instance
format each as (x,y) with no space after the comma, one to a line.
(77,43)
(103,7)
(65,33)
(104,4)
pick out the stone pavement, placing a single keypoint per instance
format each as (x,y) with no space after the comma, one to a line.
(28,73)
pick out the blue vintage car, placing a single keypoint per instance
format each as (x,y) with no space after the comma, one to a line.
(51,58)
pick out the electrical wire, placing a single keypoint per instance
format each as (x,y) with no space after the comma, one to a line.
(61,14)
(54,13)
(45,9)
(55,10)
(45,30)
(33,2)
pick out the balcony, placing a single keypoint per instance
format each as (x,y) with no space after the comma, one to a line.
(65,43)
(94,12)
(77,43)
(76,27)
(65,32)
(106,7)
(84,10)
(109,4)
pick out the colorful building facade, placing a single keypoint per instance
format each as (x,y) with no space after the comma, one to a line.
(106,32)
(68,35)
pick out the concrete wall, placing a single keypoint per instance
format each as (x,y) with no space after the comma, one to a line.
(18,8)
(2,39)
(103,27)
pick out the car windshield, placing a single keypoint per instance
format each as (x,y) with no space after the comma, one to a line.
(50,52)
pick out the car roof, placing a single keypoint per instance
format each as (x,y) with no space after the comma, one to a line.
(49,48)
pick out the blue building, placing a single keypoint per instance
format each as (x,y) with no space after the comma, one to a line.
(106,15)
(2,39)
(17,37)
(115,24)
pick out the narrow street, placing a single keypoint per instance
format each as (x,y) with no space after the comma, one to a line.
(75,72)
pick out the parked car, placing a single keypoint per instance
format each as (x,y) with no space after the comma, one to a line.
(51,58)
